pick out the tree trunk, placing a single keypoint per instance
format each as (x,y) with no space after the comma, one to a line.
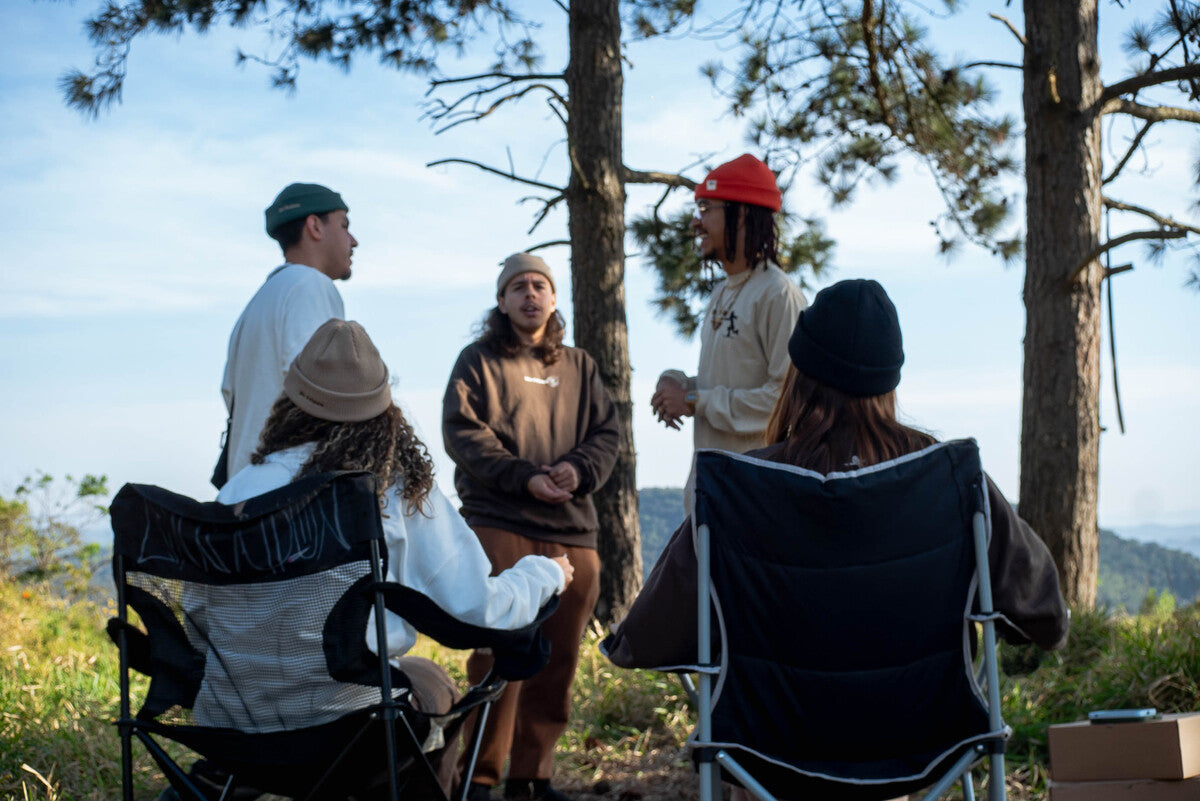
(1060,421)
(596,212)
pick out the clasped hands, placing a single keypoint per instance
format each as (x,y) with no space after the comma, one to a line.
(555,484)
(669,401)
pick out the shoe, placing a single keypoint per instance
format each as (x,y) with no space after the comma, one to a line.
(479,792)
(532,790)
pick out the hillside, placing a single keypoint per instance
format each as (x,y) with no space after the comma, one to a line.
(1128,569)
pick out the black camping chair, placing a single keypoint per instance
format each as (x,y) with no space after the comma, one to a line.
(845,608)
(256,614)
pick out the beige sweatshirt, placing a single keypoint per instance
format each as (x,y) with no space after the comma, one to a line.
(744,360)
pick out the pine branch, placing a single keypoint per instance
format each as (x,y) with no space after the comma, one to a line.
(1165,222)
(508,77)
(1133,146)
(669,179)
(512,176)
(1011,27)
(548,244)
(547,206)
(1146,79)
(1133,236)
(474,114)
(1151,113)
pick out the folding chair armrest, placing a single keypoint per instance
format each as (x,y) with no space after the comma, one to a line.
(519,653)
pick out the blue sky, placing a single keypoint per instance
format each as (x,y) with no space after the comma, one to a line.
(131,243)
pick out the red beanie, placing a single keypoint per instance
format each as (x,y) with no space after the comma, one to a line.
(744,180)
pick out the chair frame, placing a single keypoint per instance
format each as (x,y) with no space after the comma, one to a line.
(711,761)
(389,710)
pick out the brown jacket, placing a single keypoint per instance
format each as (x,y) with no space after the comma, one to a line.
(505,417)
(660,629)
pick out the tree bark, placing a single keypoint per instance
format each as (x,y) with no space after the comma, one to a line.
(596,220)
(1060,421)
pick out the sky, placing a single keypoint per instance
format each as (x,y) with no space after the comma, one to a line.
(129,245)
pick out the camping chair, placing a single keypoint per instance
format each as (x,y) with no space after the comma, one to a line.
(844,610)
(252,611)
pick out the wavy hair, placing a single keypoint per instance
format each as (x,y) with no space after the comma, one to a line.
(826,430)
(385,445)
(496,332)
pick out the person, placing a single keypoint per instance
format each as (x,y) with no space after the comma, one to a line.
(837,412)
(336,413)
(310,223)
(533,434)
(744,333)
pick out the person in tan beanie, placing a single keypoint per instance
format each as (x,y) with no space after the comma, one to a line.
(533,434)
(336,413)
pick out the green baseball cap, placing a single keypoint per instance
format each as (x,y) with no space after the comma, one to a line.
(301,200)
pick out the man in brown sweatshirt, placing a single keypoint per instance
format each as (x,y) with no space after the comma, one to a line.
(532,433)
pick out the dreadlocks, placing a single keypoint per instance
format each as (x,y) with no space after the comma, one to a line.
(761,232)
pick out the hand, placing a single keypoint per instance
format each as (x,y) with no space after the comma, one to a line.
(542,487)
(669,402)
(564,475)
(567,568)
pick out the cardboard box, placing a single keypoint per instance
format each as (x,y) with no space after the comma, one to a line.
(1127,790)
(1167,748)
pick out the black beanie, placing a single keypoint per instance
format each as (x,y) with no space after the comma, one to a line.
(849,338)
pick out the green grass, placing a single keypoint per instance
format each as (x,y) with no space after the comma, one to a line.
(58,694)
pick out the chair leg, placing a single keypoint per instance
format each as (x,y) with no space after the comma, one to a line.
(749,782)
(968,786)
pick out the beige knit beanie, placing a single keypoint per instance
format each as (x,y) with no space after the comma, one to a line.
(339,375)
(519,263)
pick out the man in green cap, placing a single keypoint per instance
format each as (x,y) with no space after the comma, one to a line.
(310,223)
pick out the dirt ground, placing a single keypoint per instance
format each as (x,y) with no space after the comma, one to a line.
(661,774)
(666,774)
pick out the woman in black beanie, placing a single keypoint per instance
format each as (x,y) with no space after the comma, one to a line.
(836,413)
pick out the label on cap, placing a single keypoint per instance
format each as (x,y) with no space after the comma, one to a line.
(710,184)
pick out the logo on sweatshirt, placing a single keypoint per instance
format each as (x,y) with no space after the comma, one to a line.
(549,381)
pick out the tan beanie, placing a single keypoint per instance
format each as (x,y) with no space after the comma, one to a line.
(339,375)
(519,263)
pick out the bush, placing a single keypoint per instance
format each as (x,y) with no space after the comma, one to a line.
(40,529)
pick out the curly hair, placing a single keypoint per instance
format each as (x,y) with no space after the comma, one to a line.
(824,429)
(495,331)
(762,232)
(385,445)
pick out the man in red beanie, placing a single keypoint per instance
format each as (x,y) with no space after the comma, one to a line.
(750,315)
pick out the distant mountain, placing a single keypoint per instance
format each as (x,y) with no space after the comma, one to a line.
(1182,538)
(1128,569)
(660,510)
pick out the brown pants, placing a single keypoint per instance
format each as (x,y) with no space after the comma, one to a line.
(528,719)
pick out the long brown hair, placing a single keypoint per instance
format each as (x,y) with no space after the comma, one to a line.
(385,445)
(496,332)
(827,430)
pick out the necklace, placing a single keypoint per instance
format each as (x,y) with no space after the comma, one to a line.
(719,315)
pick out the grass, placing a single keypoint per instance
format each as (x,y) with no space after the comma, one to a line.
(58,694)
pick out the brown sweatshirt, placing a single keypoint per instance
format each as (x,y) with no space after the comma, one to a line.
(505,417)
